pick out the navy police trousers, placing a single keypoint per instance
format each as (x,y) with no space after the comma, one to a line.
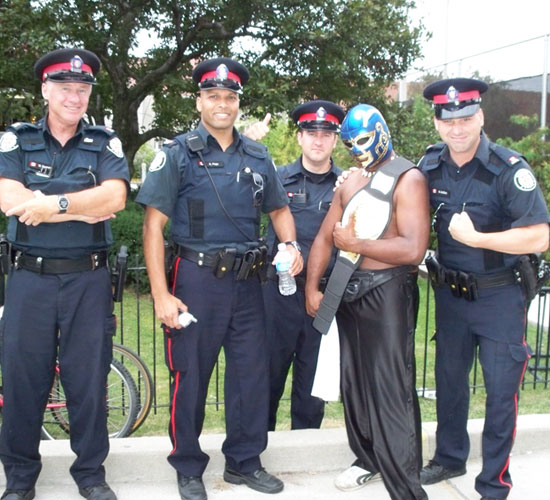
(292,341)
(68,316)
(495,324)
(230,315)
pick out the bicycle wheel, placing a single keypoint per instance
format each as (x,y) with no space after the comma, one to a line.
(122,405)
(56,417)
(142,378)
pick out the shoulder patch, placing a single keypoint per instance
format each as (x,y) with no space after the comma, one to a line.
(115,147)
(158,161)
(8,142)
(524,180)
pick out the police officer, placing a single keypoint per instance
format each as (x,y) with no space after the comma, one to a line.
(309,183)
(61,179)
(213,183)
(489,211)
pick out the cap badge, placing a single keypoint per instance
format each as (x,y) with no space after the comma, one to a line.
(452,94)
(321,113)
(76,64)
(221,72)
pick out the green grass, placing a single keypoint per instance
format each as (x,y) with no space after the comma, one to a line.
(151,348)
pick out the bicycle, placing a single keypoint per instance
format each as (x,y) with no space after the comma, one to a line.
(141,375)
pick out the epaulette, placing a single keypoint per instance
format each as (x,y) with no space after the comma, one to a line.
(21,126)
(437,147)
(254,148)
(431,156)
(101,129)
(508,156)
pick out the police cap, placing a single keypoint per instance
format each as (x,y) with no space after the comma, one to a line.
(68,65)
(318,115)
(221,73)
(455,97)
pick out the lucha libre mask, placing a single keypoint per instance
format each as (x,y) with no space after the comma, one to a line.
(365,133)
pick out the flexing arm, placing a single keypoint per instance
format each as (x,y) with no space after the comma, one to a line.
(167,306)
(517,240)
(407,238)
(283,224)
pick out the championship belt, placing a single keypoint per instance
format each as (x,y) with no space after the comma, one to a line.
(373,207)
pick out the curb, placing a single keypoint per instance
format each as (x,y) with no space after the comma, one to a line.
(135,460)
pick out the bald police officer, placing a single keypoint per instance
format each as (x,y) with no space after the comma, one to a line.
(489,213)
(213,183)
(309,183)
(61,179)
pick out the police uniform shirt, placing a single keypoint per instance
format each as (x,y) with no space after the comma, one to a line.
(177,184)
(31,155)
(310,197)
(496,188)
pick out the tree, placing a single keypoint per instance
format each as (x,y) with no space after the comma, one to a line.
(334,49)
(412,127)
(534,148)
(25,34)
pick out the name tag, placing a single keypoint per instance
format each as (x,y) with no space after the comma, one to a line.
(212,164)
(40,169)
(441,193)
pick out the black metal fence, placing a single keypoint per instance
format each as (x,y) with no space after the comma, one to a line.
(139,330)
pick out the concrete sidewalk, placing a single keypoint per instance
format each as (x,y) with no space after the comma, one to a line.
(307,461)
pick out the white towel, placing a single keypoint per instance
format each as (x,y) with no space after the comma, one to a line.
(326,384)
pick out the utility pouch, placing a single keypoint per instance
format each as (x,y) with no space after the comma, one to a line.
(436,271)
(467,284)
(5,261)
(527,275)
(247,265)
(170,255)
(451,277)
(224,261)
(352,291)
(118,274)
(262,264)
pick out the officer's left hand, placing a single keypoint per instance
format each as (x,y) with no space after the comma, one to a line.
(344,236)
(462,229)
(343,176)
(35,211)
(257,131)
(297,260)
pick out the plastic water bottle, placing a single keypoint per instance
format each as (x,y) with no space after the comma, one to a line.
(186,318)
(287,283)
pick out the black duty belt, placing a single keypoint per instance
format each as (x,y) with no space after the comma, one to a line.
(246,265)
(464,284)
(45,265)
(205,259)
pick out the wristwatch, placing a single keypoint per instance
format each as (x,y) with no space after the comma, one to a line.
(62,203)
(295,244)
